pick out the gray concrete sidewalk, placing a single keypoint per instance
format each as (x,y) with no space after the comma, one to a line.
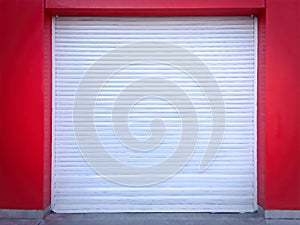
(150,219)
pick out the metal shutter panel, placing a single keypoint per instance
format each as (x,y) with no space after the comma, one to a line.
(227,45)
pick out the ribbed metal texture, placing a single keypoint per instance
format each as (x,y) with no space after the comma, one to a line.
(226,45)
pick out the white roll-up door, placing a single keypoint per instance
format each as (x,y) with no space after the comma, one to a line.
(171,99)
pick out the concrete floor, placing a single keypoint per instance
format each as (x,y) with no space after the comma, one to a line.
(151,219)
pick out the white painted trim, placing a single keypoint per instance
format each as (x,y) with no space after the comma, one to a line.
(23,214)
(53,114)
(282,214)
(255,109)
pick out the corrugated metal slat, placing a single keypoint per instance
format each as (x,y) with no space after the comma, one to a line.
(226,45)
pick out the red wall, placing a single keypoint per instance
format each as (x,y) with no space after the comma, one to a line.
(282,108)
(261,101)
(25,91)
(21,99)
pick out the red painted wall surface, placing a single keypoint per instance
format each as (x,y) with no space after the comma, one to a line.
(21,109)
(154,4)
(282,108)
(47,89)
(25,91)
(261,101)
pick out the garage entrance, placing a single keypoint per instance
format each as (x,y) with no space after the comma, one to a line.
(154,114)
